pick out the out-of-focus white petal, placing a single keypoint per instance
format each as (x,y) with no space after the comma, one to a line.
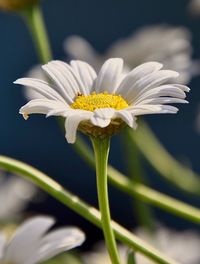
(15,193)
(2,245)
(80,49)
(109,76)
(102,117)
(86,74)
(24,243)
(72,122)
(58,241)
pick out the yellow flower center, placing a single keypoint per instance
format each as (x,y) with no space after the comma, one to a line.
(101,100)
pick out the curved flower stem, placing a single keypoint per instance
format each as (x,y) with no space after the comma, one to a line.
(101,150)
(77,205)
(34,20)
(168,167)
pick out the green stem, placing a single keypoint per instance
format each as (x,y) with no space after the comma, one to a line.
(168,167)
(76,204)
(101,150)
(34,20)
(141,191)
(136,174)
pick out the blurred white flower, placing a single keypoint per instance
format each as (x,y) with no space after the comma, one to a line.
(99,105)
(166,44)
(180,246)
(99,255)
(194,7)
(15,193)
(32,244)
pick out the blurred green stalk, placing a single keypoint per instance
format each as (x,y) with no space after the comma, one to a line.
(80,207)
(142,212)
(162,161)
(35,23)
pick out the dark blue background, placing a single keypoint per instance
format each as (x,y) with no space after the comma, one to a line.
(40,142)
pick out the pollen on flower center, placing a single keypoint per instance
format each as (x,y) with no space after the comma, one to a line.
(101,100)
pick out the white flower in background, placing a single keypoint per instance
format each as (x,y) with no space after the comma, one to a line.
(168,45)
(32,244)
(99,255)
(15,193)
(99,105)
(180,246)
(194,7)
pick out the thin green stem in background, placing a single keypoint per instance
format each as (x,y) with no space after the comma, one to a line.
(160,159)
(80,207)
(142,212)
(101,150)
(34,20)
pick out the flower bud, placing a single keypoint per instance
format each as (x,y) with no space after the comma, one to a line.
(16,5)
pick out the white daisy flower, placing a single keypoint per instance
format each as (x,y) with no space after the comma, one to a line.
(15,193)
(99,105)
(168,45)
(183,247)
(32,244)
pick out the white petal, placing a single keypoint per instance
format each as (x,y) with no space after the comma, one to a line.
(15,193)
(59,241)
(2,245)
(66,81)
(127,117)
(86,74)
(163,90)
(42,88)
(163,100)
(109,76)
(43,106)
(102,117)
(150,81)
(72,122)
(135,75)
(152,109)
(25,241)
